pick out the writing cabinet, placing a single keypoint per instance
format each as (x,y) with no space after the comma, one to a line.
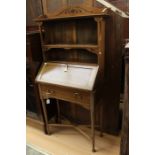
(86,35)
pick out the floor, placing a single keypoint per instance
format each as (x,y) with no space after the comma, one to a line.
(67,141)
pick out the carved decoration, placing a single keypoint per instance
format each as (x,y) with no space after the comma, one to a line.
(98,19)
(76,11)
(73,11)
(93,50)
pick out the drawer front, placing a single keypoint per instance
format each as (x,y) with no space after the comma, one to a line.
(72,95)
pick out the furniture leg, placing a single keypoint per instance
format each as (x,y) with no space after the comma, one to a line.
(45,116)
(92,122)
(101,120)
(58,107)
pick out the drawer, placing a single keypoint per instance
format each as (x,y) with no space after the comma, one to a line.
(67,94)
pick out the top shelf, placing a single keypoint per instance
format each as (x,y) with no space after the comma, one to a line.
(48,18)
(68,46)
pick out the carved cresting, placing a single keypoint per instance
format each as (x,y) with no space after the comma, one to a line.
(73,11)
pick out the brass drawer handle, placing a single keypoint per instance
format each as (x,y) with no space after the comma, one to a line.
(50,92)
(76,93)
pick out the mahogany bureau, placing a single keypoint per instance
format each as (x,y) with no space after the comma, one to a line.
(69,82)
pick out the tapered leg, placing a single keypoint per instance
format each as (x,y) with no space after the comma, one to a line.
(45,116)
(101,120)
(92,122)
(58,107)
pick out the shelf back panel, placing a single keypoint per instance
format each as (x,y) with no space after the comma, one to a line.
(72,55)
(83,31)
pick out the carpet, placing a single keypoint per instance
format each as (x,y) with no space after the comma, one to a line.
(31,150)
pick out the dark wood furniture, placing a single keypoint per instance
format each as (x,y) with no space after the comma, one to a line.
(125,125)
(33,62)
(34,115)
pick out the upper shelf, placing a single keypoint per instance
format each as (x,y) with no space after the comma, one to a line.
(70,46)
(91,48)
(73,12)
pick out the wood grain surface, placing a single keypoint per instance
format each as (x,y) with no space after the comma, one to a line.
(70,142)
